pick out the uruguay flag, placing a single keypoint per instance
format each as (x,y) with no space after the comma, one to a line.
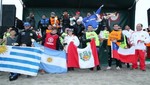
(124,55)
(82,58)
(53,61)
(23,60)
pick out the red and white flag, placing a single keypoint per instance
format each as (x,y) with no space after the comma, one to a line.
(124,55)
(82,58)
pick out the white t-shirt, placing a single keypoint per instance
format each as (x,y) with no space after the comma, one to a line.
(127,33)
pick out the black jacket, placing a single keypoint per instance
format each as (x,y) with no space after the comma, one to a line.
(25,37)
(78,29)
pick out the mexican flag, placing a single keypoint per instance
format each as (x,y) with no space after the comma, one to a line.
(82,58)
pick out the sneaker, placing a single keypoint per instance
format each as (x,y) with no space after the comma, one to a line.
(108,68)
(118,68)
(13,77)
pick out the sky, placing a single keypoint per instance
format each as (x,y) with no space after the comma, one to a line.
(140,17)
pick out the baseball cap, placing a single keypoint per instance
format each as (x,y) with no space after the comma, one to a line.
(27,24)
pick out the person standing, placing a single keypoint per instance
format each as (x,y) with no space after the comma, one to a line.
(52,41)
(89,35)
(148,45)
(43,24)
(54,20)
(104,34)
(127,32)
(31,20)
(65,20)
(68,39)
(24,37)
(11,41)
(138,39)
(78,28)
(117,37)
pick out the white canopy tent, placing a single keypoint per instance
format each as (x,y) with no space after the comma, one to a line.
(0,12)
(18,4)
(141,12)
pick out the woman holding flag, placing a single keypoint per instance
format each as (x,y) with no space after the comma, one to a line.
(67,40)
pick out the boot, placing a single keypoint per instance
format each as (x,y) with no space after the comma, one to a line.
(98,68)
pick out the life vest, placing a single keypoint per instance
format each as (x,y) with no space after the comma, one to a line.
(106,34)
(114,35)
(123,44)
(148,45)
(44,22)
(6,34)
(91,35)
(62,37)
(54,22)
(51,40)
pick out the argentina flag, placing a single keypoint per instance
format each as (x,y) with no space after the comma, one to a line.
(53,61)
(23,60)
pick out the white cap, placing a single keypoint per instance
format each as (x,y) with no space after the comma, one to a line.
(79,20)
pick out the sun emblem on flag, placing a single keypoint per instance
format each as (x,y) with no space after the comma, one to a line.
(85,56)
(3,49)
(49,59)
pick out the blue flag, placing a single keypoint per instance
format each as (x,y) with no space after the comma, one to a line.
(53,61)
(92,20)
(23,60)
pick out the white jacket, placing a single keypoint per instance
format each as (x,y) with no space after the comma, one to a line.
(138,36)
(69,39)
(127,33)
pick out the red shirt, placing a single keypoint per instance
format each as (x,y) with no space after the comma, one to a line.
(51,40)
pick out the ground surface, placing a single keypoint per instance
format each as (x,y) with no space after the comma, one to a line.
(85,77)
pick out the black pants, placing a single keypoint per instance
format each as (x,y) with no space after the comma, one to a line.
(43,30)
(104,44)
(118,62)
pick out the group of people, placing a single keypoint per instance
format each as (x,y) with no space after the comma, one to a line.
(58,33)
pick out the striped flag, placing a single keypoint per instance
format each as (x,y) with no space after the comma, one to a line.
(124,55)
(23,60)
(53,61)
